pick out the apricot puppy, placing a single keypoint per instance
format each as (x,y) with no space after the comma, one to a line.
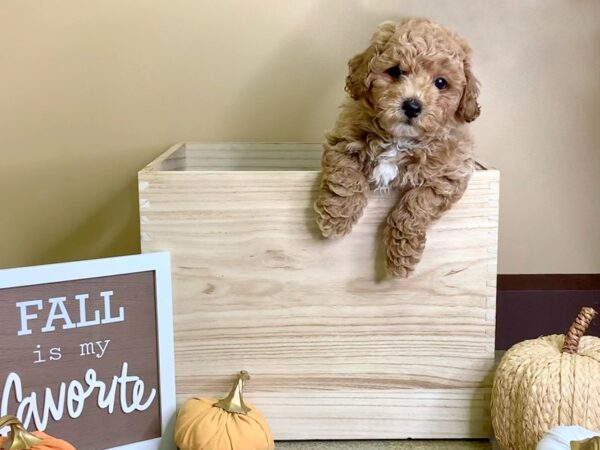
(404,127)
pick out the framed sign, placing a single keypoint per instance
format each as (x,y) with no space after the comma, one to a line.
(87,351)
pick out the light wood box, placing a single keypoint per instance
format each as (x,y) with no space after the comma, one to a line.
(335,350)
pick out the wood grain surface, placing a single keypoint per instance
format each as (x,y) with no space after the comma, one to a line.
(386,445)
(336,349)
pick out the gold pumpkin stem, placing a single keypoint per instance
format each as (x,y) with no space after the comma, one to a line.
(588,444)
(20,438)
(578,329)
(234,402)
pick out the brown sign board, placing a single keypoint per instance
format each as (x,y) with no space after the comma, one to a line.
(87,351)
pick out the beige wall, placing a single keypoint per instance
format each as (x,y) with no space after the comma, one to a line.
(92,90)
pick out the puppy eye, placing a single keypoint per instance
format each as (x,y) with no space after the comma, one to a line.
(394,72)
(440,83)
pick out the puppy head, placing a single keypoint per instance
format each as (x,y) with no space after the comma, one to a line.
(416,75)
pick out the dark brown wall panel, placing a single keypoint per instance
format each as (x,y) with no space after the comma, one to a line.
(529,306)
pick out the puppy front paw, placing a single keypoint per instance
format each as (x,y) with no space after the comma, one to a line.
(334,227)
(403,252)
(337,215)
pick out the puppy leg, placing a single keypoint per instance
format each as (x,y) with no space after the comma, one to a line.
(405,233)
(342,197)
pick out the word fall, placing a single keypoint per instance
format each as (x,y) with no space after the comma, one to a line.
(58,312)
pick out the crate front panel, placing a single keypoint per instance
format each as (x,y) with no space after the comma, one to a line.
(314,320)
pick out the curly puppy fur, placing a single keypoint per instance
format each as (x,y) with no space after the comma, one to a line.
(411,93)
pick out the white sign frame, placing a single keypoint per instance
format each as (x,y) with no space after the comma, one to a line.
(160,263)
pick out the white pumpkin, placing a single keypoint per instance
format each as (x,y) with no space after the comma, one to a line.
(560,438)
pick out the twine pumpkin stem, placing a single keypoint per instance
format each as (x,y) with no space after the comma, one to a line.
(234,402)
(19,437)
(578,329)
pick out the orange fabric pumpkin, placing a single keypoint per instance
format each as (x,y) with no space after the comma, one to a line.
(229,423)
(20,439)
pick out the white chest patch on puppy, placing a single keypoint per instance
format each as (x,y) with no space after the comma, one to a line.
(384,173)
(386,170)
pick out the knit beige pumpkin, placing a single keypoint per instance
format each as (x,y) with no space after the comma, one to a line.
(546,382)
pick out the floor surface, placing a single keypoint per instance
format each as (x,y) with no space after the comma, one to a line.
(384,445)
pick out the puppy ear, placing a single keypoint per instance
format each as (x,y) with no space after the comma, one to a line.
(359,76)
(468,109)
(358,79)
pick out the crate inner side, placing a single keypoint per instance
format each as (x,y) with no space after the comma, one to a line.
(244,157)
(247,157)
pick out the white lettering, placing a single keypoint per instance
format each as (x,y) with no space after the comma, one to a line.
(12,383)
(74,395)
(56,409)
(102,349)
(25,317)
(106,400)
(106,295)
(58,311)
(137,395)
(55,354)
(38,353)
(58,303)
(27,410)
(83,322)
(87,348)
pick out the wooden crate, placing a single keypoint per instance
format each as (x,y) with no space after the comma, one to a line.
(336,351)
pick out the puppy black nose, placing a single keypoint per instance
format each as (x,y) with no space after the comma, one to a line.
(412,108)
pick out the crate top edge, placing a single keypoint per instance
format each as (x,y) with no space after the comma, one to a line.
(154,166)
